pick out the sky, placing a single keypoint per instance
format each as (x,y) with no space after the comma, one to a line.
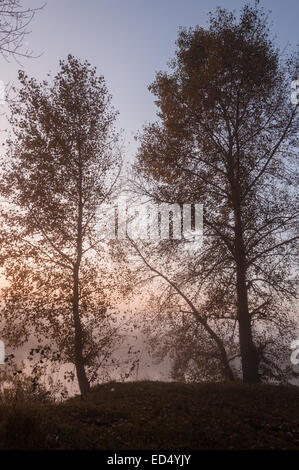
(128,41)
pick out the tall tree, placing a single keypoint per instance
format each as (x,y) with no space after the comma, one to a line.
(63,163)
(227,136)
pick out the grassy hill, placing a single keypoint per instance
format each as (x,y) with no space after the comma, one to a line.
(158,415)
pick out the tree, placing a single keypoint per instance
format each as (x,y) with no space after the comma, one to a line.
(176,323)
(226,137)
(63,163)
(14,22)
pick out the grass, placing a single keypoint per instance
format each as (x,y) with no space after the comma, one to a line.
(158,415)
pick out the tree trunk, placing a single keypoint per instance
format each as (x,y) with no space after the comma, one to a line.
(248,350)
(247,347)
(78,345)
(79,339)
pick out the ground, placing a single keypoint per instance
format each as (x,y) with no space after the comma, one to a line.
(158,415)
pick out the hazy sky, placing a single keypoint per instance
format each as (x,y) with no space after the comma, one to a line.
(128,40)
